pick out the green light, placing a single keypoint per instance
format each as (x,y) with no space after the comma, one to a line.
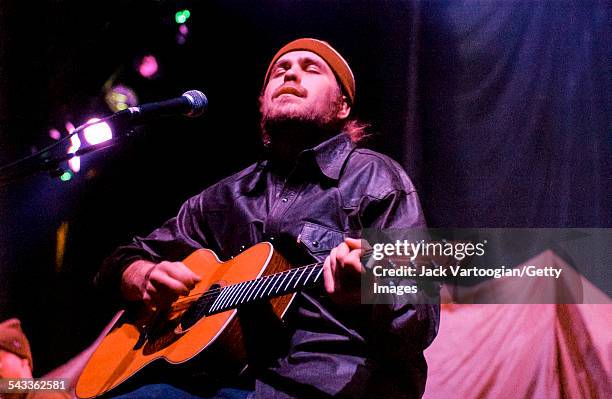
(181,16)
(66,176)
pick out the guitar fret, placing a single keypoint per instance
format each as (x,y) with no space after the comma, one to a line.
(248,287)
(232,301)
(298,280)
(231,292)
(292,272)
(284,278)
(307,277)
(243,291)
(226,293)
(277,279)
(263,284)
(255,289)
(239,293)
(318,274)
(218,300)
(271,284)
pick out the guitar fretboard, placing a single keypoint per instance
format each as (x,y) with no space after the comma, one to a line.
(220,299)
(266,287)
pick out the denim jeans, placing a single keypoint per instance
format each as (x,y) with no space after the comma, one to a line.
(167,391)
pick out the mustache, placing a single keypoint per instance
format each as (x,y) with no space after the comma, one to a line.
(290,89)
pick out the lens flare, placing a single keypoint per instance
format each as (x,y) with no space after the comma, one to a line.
(148,66)
(120,97)
(182,16)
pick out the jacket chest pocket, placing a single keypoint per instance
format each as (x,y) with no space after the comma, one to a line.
(319,240)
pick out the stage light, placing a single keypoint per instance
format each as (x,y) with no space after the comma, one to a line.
(120,97)
(148,66)
(98,133)
(75,162)
(182,16)
(67,175)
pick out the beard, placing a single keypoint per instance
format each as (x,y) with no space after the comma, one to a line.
(299,129)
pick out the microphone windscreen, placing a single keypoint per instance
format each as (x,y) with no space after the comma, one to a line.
(198,102)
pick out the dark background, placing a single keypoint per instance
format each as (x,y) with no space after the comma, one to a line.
(500,112)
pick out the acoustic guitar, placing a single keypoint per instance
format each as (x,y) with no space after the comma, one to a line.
(205,320)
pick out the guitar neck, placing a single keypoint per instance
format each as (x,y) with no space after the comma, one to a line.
(220,299)
(265,287)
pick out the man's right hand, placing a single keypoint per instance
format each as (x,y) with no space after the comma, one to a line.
(157,285)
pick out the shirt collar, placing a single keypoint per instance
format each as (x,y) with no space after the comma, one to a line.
(332,154)
(330,157)
(250,180)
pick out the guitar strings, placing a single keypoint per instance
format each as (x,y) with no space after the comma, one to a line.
(215,291)
(213,294)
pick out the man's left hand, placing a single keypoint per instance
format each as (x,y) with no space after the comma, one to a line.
(342,272)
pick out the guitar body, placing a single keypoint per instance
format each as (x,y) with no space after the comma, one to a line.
(140,338)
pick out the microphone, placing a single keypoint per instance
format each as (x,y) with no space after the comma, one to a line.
(192,103)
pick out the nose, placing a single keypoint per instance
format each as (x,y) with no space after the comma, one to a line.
(292,74)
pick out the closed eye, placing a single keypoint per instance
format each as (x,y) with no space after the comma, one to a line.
(278,71)
(280,68)
(311,65)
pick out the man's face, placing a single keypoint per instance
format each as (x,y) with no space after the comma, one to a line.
(13,366)
(303,87)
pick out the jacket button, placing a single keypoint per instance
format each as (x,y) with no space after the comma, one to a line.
(315,244)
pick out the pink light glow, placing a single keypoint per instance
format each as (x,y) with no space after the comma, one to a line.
(55,134)
(69,127)
(148,66)
(97,133)
(75,144)
(181,36)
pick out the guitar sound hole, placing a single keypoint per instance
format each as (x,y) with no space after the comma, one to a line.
(199,309)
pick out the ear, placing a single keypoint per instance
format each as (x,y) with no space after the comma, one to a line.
(345,109)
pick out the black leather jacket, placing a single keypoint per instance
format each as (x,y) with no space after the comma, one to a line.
(335,191)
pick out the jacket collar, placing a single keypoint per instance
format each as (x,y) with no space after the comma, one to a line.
(332,154)
(330,157)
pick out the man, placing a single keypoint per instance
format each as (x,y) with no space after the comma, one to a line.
(314,191)
(16,363)
(15,355)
